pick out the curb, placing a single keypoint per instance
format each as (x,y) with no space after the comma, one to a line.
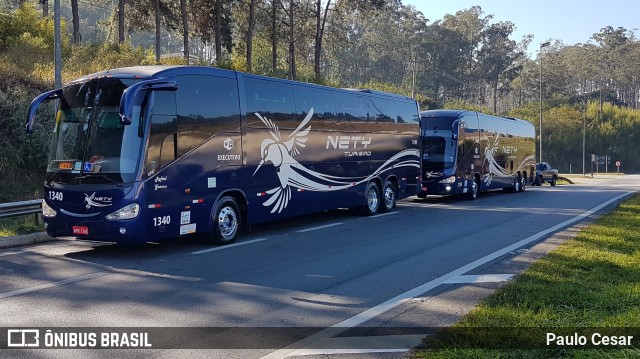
(22,240)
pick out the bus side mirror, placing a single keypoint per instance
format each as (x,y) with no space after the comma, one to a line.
(129,95)
(33,108)
(454,130)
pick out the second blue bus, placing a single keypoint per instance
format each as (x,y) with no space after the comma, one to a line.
(467,152)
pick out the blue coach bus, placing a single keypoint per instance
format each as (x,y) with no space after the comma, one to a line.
(467,152)
(149,153)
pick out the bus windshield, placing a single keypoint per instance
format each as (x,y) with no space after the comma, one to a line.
(438,147)
(89,143)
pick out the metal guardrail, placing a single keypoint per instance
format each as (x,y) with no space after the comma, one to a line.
(12,209)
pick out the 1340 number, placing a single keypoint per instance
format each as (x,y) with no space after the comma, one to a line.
(161,221)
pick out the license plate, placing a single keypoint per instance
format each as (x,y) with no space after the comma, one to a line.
(82,230)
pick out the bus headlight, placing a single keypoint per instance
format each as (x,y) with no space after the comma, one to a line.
(47,211)
(451,179)
(128,212)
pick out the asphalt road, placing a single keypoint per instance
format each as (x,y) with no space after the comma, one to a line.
(332,271)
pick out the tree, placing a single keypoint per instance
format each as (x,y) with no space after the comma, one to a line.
(212,23)
(321,20)
(442,61)
(469,24)
(274,36)
(45,7)
(250,28)
(218,32)
(185,29)
(121,4)
(497,57)
(75,21)
(292,43)
(157,12)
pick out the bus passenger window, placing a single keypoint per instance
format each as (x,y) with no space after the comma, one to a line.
(271,99)
(350,107)
(206,106)
(320,100)
(381,110)
(407,112)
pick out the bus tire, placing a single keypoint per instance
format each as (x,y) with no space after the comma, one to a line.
(473,191)
(517,183)
(371,200)
(226,221)
(389,196)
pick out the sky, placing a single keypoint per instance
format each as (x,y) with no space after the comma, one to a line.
(572,21)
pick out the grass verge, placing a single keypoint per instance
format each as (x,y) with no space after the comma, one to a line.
(590,284)
(19,225)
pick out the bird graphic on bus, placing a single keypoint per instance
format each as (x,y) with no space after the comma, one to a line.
(494,167)
(292,174)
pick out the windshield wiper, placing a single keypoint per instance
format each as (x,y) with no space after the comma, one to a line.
(49,180)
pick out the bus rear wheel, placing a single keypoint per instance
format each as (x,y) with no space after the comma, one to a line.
(388,197)
(226,221)
(372,200)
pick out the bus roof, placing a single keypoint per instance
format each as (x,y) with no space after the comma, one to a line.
(444,113)
(154,71)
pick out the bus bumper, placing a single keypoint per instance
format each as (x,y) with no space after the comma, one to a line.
(121,232)
(442,189)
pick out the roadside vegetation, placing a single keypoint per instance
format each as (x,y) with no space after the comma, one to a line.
(589,282)
(19,225)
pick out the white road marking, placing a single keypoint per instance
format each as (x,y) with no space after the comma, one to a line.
(305,352)
(363,345)
(401,298)
(479,278)
(319,227)
(14,293)
(229,246)
(382,215)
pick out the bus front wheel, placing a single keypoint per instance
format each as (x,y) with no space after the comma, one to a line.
(473,191)
(226,221)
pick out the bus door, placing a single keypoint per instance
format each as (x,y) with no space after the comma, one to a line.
(209,146)
(162,192)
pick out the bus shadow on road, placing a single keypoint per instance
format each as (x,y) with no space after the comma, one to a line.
(95,251)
